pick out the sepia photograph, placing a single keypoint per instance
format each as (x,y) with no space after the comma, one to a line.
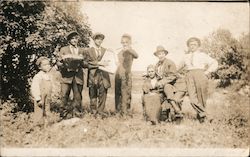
(124,78)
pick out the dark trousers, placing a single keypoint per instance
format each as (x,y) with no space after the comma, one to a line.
(76,106)
(123,87)
(98,96)
(197,84)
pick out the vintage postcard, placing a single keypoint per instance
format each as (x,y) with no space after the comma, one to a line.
(124,78)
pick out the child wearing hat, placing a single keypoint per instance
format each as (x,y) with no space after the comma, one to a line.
(123,76)
(72,79)
(98,80)
(168,79)
(198,64)
(41,89)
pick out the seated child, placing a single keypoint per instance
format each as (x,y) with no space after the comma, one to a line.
(153,97)
(150,81)
(155,106)
(41,88)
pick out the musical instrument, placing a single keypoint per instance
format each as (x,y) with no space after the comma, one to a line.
(72,62)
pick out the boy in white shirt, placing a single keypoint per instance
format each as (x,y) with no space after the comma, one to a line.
(198,64)
(41,88)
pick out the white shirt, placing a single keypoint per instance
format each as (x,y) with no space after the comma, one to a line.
(200,60)
(74,50)
(153,82)
(35,85)
(97,51)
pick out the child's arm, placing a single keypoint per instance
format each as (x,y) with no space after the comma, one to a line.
(132,52)
(35,88)
(146,87)
(85,55)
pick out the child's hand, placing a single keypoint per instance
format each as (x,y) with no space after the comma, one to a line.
(159,84)
(59,64)
(127,48)
(104,63)
(40,103)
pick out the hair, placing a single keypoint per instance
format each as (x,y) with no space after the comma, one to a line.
(127,36)
(40,59)
(151,66)
(194,39)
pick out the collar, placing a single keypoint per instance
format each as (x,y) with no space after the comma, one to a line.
(161,62)
(71,46)
(44,75)
(98,48)
(195,52)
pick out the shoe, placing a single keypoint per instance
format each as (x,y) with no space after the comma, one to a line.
(103,114)
(178,115)
(202,119)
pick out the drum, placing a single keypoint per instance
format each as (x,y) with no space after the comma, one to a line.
(152,104)
(72,62)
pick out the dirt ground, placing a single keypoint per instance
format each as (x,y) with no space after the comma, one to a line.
(227,126)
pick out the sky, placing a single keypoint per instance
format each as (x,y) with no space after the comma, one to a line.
(168,24)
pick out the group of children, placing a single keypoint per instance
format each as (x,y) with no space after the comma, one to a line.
(166,86)
(98,81)
(163,85)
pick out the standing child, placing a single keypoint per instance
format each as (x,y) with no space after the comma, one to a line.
(123,76)
(41,90)
(72,79)
(98,80)
(198,64)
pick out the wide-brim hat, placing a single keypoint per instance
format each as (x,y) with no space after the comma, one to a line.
(98,35)
(160,49)
(71,35)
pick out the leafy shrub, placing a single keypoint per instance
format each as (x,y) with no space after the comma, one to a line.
(230,54)
(30,29)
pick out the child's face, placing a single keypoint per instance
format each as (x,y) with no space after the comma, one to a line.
(74,40)
(193,46)
(98,42)
(151,73)
(161,55)
(125,42)
(45,65)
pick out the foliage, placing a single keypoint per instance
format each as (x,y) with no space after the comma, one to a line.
(245,46)
(227,126)
(229,53)
(31,29)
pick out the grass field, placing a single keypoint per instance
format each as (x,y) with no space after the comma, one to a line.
(227,126)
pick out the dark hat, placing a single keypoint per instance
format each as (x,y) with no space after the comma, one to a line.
(40,59)
(194,39)
(71,35)
(159,49)
(98,35)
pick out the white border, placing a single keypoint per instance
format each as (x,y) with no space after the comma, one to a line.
(149,152)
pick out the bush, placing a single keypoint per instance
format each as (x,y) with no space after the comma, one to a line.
(229,53)
(30,29)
